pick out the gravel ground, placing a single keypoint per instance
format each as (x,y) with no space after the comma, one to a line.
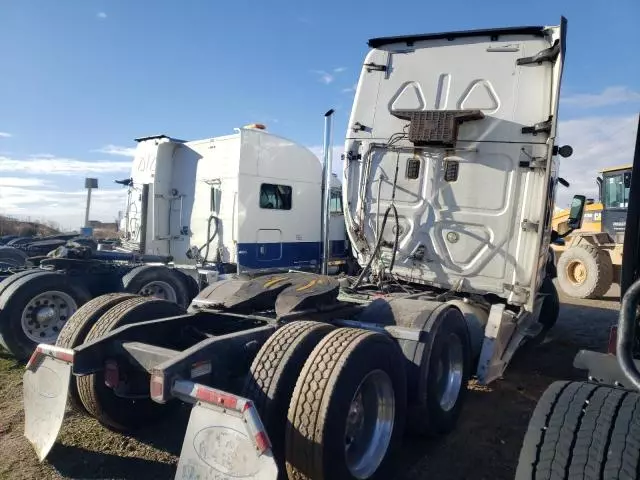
(485,445)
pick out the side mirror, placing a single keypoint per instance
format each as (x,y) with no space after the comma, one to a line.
(577,209)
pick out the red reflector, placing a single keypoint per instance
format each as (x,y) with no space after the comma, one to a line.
(613,340)
(262,442)
(217,398)
(64,356)
(111,374)
(34,358)
(157,387)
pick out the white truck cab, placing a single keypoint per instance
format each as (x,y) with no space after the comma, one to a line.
(450,140)
(242,202)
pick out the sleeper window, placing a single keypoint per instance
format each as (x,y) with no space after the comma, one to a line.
(275,197)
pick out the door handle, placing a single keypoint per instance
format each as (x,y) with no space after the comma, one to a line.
(262,250)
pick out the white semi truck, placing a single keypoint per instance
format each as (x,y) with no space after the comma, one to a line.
(450,170)
(239,202)
(196,211)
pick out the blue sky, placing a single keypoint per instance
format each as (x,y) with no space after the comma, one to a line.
(80,79)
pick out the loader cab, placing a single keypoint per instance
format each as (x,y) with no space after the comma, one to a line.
(615,185)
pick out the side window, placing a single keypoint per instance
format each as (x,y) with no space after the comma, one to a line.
(615,193)
(335,203)
(275,197)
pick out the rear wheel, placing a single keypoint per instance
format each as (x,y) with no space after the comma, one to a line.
(274,372)
(123,412)
(35,308)
(75,330)
(346,417)
(158,282)
(585,271)
(582,430)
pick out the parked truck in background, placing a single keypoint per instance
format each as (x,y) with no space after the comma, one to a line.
(247,203)
(450,171)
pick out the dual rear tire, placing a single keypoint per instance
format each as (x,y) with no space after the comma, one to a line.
(334,400)
(89,393)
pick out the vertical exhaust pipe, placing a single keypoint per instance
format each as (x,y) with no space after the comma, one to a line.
(326,190)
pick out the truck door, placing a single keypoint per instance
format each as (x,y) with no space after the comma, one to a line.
(275,201)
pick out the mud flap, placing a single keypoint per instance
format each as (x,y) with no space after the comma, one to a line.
(45,390)
(225,438)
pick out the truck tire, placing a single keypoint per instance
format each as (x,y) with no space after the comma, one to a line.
(348,372)
(75,330)
(159,282)
(98,399)
(585,271)
(582,430)
(15,277)
(444,371)
(35,307)
(13,255)
(273,374)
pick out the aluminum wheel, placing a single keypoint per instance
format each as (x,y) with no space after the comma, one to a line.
(159,289)
(45,315)
(450,371)
(369,424)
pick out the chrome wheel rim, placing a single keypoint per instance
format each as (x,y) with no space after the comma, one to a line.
(159,289)
(369,424)
(450,372)
(45,315)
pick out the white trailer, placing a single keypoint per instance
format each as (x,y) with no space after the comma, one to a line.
(450,174)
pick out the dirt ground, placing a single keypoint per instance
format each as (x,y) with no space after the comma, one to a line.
(485,445)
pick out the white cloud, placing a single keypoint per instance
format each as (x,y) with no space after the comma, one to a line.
(22,182)
(117,150)
(102,15)
(61,166)
(328,77)
(609,96)
(62,206)
(5,135)
(598,142)
(350,89)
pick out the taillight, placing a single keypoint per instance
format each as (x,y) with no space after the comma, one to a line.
(613,340)
(156,388)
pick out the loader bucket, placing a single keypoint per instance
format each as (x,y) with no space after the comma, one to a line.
(225,437)
(45,389)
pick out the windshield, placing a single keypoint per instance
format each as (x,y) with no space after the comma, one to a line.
(616,190)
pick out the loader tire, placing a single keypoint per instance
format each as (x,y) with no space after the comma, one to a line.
(158,282)
(34,308)
(582,430)
(75,330)
(274,372)
(329,411)
(98,399)
(585,271)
